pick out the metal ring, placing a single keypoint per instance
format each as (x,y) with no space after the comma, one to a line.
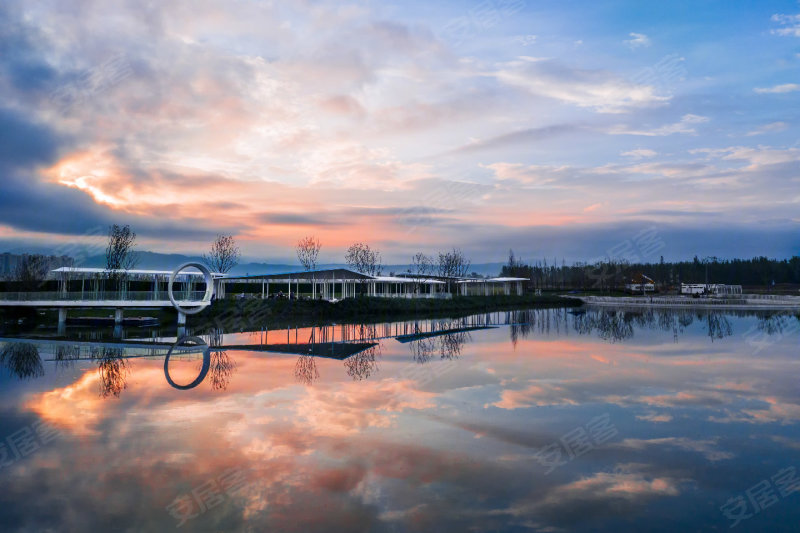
(203,370)
(209,287)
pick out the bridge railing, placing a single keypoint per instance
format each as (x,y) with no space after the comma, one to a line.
(92,296)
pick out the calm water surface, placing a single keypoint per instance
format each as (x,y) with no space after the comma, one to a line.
(523,421)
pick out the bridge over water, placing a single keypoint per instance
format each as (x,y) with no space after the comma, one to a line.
(92,293)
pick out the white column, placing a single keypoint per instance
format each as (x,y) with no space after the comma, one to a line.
(118,315)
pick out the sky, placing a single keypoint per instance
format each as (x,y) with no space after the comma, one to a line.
(566,129)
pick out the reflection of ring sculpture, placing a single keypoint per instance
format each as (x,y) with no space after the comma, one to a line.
(209,287)
(203,371)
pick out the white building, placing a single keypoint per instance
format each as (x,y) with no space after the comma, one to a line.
(339,283)
(716,289)
(639,284)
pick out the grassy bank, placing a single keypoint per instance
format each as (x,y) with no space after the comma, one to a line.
(304,312)
(255,313)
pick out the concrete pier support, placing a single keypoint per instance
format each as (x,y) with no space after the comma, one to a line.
(62,320)
(118,316)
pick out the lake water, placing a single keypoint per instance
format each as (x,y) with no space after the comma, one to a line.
(548,420)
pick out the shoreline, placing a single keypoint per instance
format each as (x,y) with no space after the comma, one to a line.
(752,303)
(367,309)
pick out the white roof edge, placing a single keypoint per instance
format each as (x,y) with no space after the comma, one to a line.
(405,280)
(94,270)
(482,280)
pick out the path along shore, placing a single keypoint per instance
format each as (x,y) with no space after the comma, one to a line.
(745,301)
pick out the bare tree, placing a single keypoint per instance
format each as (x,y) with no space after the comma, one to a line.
(362,365)
(452,265)
(22,360)
(361,258)
(222,368)
(305,369)
(307,252)
(422,269)
(224,254)
(113,370)
(119,252)
(31,271)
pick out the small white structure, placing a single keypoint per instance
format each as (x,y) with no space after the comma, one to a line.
(639,284)
(490,286)
(716,289)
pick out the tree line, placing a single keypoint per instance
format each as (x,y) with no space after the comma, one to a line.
(608,274)
(614,273)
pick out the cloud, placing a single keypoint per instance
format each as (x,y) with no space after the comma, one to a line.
(773,127)
(655,417)
(790,23)
(599,90)
(686,125)
(638,40)
(25,144)
(640,153)
(756,157)
(778,89)
(517,137)
(709,448)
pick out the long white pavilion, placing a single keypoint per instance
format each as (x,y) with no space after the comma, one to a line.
(340,283)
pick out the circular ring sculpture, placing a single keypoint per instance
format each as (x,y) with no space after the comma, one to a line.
(209,287)
(203,371)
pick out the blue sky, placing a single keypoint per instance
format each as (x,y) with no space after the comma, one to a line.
(556,129)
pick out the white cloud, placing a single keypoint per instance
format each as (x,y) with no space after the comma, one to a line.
(600,90)
(790,23)
(637,40)
(525,40)
(708,448)
(778,89)
(756,157)
(640,153)
(773,127)
(685,125)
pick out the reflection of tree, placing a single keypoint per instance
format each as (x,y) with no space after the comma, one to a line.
(216,337)
(113,370)
(22,360)
(718,326)
(363,364)
(450,345)
(617,325)
(614,326)
(305,369)
(775,323)
(422,350)
(67,355)
(221,370)
(222,366)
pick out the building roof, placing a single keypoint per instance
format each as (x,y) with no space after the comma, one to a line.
(133,271)
(319,275)
(490,280)
(398,279)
